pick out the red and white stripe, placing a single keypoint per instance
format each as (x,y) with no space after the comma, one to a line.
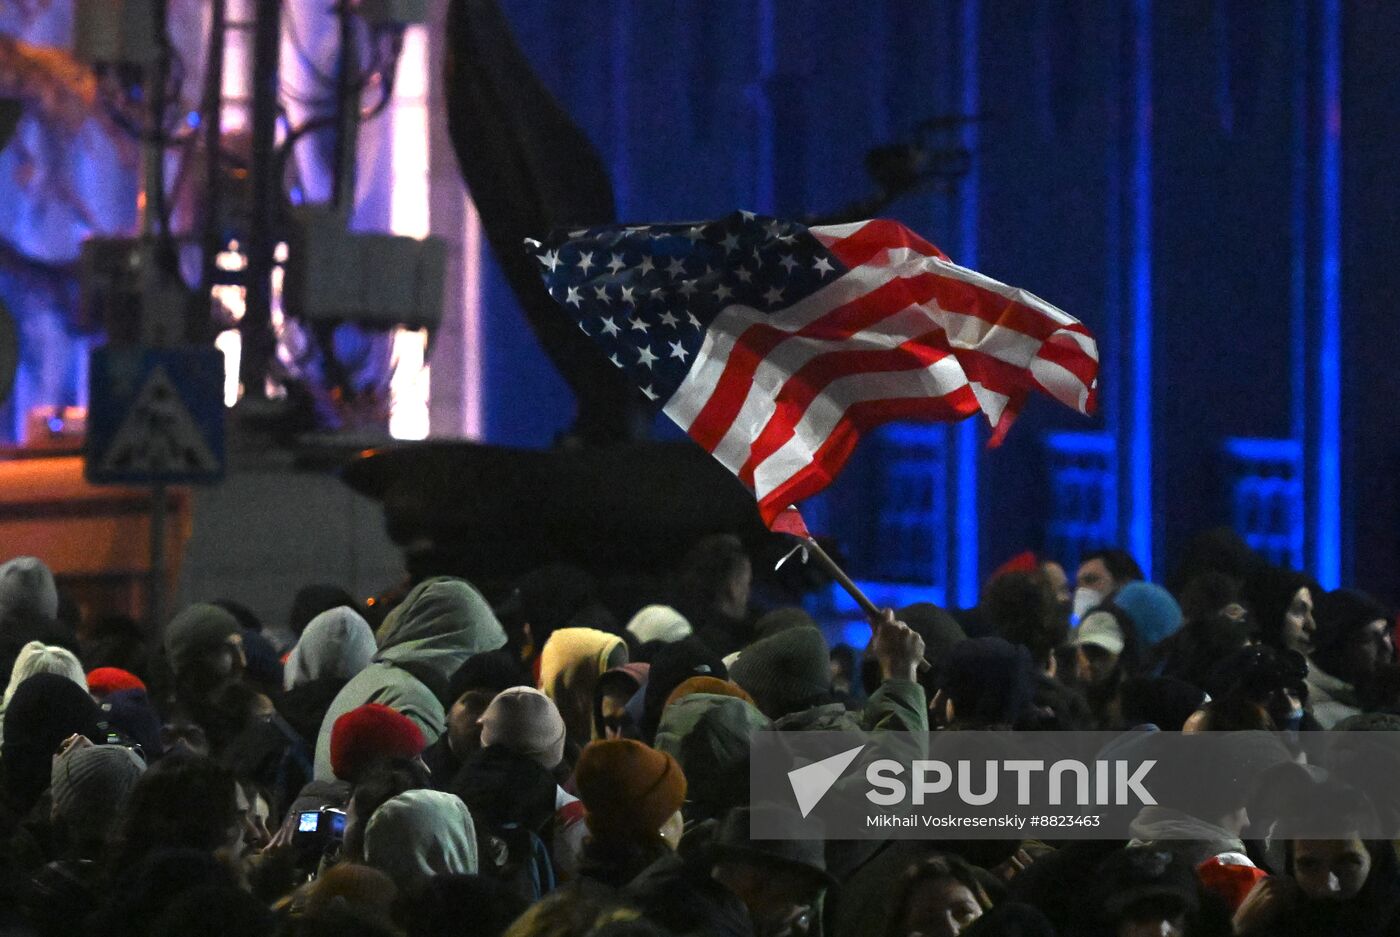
(904,334)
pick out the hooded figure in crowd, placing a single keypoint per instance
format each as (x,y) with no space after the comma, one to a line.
(673,665)
(420,834)
(440,623)
(334,647)
(612,719)
(709,735)
(1284,602)
(572,662)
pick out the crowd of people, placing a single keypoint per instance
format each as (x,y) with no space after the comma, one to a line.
(561,760)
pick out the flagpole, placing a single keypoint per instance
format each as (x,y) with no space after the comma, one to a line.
(871,610)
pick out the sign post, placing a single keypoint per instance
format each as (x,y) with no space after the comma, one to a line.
(156,419)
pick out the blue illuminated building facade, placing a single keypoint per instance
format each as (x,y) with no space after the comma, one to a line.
(1189,179)
(1212,187)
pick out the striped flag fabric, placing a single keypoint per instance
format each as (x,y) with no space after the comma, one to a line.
(775,345)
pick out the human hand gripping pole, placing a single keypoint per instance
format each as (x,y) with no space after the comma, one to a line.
(899,648)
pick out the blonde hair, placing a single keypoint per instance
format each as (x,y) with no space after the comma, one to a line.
(38,657)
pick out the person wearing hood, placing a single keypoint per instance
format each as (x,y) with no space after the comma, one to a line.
(632,797)
(615,689)
(440,623)
(1284,601)
(710,734)
(421,834)
(334,647)
(309,602)
(1353,645)
(572,662)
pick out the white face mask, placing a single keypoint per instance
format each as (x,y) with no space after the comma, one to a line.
(1084,600)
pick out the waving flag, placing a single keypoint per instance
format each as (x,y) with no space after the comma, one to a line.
(774,345)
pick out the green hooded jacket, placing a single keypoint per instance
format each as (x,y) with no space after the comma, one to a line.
(422,643)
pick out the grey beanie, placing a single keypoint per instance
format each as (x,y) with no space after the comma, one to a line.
(527,722)
(88,783)
(785,671)
(199,628)
(27,587)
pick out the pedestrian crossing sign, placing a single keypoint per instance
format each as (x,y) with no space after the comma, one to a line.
(156,416)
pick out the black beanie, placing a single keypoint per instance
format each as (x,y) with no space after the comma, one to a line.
(989,681)
(673,665)
(45,710)
(785,672)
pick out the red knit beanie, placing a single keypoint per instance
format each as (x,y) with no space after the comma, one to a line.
(107,680)
(369,733)
(1024,562)
(628,789)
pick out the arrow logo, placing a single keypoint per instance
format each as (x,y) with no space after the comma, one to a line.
(811,782)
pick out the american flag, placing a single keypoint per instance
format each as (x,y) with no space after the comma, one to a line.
(775,345)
